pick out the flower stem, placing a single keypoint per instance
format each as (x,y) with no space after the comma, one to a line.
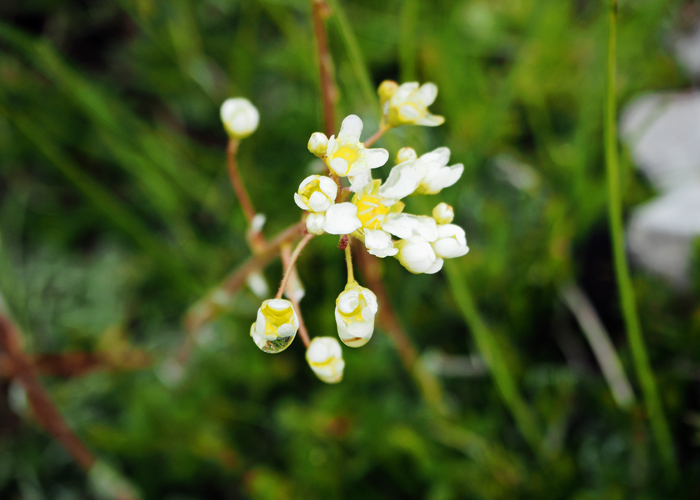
(303,333)
(650,392)
(290,264)
(382,130)
(329,93)
(236,180)
(348,261)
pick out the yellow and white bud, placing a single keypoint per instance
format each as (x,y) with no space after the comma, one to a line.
(387,89)
(417,255)
(315,223)
(406,154)
(355,309)
(240,117)
(318,144)
(443,213)
(451,242)
(325,357)
(346,156)
(316,193)
(276,325)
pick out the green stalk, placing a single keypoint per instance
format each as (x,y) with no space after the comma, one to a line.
(496,362)
(659,425)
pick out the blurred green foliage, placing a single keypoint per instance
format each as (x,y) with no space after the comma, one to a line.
(116,214)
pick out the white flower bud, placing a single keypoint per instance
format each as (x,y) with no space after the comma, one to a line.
(355,309)
(443,213)
(416,255)
(405,154)
(315,223)
(316,193)
(276,325)
(318,144)
(256,282)
(451,242)
(325,357)
(240,117)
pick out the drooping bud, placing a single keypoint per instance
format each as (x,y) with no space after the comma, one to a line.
(325,357)
(276,325)
(443,213)
(240,117)
(355,310)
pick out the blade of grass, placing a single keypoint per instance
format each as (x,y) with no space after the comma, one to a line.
(497,364)
(650,392)
(103,200)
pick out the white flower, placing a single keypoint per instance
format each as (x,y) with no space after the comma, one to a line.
(316,193)
(451,242)
(325,357)
(408,104)
(438,175)
(315,223)
(443,213)
(355,310)
(379,243)
(318,144)
(347,156)
(417,255)
(276,325)
(240,117)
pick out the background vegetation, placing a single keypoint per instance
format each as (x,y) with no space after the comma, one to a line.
(116,215)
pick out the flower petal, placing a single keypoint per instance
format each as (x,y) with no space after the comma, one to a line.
(427,93)
(431,120)
(376,157)
(342,219)
(406,226)
(300,202)
(351,129)
(403,180)
(435,267)
(379,244)
(328,187)
(319,202)
(359,181)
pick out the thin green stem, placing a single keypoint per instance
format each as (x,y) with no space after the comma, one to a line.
(290,265)
(348,261)
(650,392)
(497,364)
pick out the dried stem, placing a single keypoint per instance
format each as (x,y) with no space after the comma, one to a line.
(320,11)
(209,307)
(428,384)
(45,412)
(291,293)
(290,264)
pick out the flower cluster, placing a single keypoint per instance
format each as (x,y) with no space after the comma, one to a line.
(366,209)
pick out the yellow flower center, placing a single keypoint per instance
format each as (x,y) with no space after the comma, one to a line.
(371,211)
(275,318)
(355,314)
(348,153)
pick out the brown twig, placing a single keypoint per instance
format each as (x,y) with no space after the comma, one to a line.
(428,384)
(289,268)
(382,130)
(45,412)
(291,289)
(209,307)
(77,363)
(329,93)
(231,161)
